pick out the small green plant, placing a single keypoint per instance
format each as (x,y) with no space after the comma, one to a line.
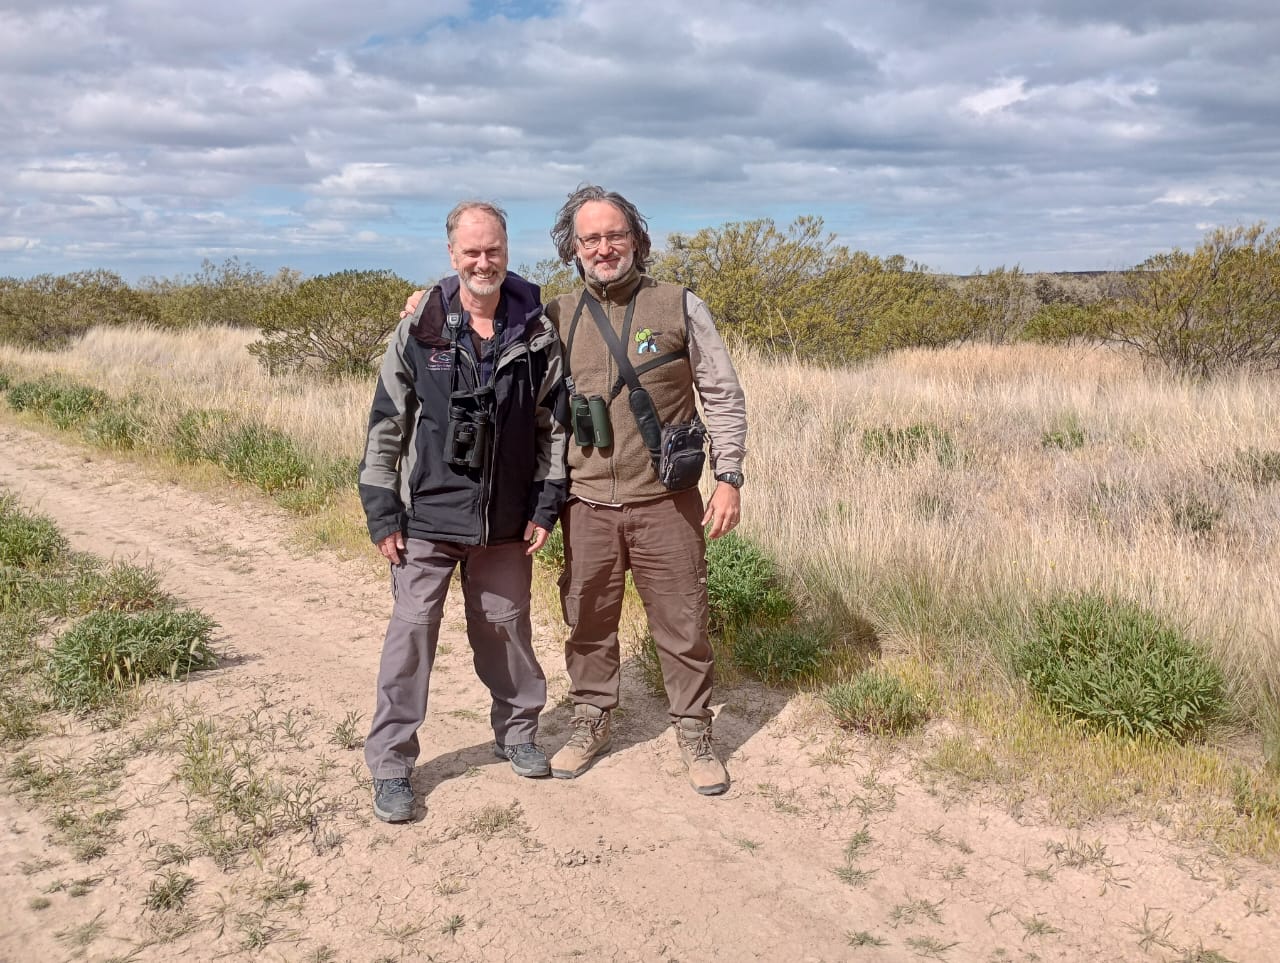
(169,890)
(1113,666)
(863,938)
(743,584)
(901,446)
(346,734)
(782,654)
(107,652)
(877,701)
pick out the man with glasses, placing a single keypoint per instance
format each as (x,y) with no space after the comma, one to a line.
(463,466)
(620,514)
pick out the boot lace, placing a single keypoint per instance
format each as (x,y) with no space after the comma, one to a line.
(584,731)
(699,746)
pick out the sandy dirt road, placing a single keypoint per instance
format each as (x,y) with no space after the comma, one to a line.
(828,847)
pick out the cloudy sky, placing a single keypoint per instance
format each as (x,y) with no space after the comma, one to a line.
(146,135)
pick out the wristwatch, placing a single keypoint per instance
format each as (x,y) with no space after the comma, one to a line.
(733,478)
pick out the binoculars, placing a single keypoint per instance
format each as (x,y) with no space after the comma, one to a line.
(590,418)
(466,437)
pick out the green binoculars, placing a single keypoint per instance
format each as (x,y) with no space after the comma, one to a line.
(590,416)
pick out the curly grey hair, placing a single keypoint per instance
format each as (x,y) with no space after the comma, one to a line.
(485,207)
(562,233)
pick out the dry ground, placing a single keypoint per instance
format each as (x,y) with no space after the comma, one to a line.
(828,846)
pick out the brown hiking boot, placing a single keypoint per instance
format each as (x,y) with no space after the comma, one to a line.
(707,774)
(590,739)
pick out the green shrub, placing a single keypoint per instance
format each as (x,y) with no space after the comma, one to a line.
(1116,667)
(107,652)
(1209,311)
(337,324)
(901,446)
(1058,322)
(264,456)
(26,540)
(66,404)
(48,311)
(782,654)
(122,587)
(878,702)
(743,584)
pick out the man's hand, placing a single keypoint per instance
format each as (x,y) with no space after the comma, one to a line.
(391,547)
(411,303)
(723,510)
(536,536)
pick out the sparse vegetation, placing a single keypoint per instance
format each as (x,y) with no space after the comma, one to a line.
(878,702)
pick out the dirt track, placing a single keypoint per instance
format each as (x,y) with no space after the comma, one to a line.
(625,863)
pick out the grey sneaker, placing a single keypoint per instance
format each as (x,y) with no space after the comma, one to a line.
(393,800)
(526,759)
(590,739)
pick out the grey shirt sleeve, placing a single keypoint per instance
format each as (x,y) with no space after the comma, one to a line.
(724,405)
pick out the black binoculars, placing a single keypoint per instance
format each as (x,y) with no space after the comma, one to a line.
(590,416)
(466,437)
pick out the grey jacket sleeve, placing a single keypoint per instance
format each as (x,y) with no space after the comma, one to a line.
(550,483)
(381,469)
(724,406)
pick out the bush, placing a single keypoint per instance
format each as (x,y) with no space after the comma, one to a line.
(743,584)
(108,652)
(878,702)
(1068,435)
(1216,309)
(782,654)
(1054,323)
(796,290)
(337,324)
(1115,667)
(228,293)
(47,311)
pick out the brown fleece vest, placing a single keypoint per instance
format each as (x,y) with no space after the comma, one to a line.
(623,472)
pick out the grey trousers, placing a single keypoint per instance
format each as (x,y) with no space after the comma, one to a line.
(495,591)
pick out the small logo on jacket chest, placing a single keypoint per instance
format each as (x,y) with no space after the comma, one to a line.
(647,341)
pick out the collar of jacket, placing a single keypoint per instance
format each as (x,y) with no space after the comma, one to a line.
(523,310)
(619,290)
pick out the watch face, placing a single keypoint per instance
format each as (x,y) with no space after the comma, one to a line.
(733,478)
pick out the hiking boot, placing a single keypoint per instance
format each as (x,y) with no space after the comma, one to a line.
(393,800)
(707,774)
(590,739)
(526,759)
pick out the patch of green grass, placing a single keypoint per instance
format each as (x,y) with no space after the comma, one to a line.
(108,652)
(1194,513)
(27,540)
(782,654)
(901,446)
(1116,667)
(264,456)
(877,701)
(1066,435)
(1257,466)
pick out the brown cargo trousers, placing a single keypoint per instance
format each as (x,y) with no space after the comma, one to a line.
(661,542)
(495,589)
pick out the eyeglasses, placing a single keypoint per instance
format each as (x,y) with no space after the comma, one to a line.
(613,238)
